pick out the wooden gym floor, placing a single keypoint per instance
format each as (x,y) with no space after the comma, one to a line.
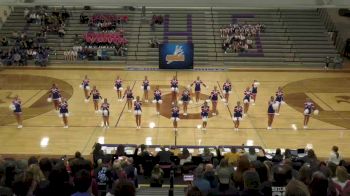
(329,90)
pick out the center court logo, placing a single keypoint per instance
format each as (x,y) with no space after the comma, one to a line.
(178,55)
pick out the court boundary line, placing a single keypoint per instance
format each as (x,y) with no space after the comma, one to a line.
(121,113)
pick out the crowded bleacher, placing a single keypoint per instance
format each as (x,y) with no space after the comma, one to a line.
(203,170)
(239,38)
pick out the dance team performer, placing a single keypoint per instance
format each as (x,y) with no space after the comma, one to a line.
(137,112)
(185,100)
(197,88)
(205,115)
(85,86)
(105,113)
(174,85)
(246,100)
(237,115)
(63,105)
(129,97)
(55,96)
(96,96)
(16,107)
(118,86)
(175,114)
(309,108)
(157,99)
(254,91)
(214,97)
(279,99)
(146,87)
(272,106)
(227,87)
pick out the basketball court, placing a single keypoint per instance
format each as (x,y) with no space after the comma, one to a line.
(43,131)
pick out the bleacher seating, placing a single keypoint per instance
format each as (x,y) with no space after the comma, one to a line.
(292,37)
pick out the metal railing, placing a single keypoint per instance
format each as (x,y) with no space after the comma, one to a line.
(339,39)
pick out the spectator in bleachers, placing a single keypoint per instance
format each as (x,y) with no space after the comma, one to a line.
(209,175)
(281,176)
(4,41)
(337,61)
(252,156)
(278,157)
(154,43)
(305,174)
(194,191)
(83,18)
(61,31)
(296,188)
(157,19)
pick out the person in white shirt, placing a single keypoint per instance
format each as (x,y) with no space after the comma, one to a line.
(335,157)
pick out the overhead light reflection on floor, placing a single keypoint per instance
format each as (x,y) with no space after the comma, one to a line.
(44,142)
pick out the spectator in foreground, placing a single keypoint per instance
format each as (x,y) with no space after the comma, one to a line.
(194,191)
(164,156)
(202,184)
(251,184)
(232,156)
(342,177)
(157,176)
(318,185)
(296,188)
(123,188)
(82,183)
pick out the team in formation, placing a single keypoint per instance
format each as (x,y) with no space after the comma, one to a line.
(239,111)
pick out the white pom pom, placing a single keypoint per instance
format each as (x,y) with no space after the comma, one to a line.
(87,88)
(205,119)
(115,88)
(316,112)
(60,99)
(137,112)
(121,88)
(252,101)
(148,88)
(306,111)
(240,118)
(160,101)
(49,99)
(81,86)
(256,83)
(223,100)
(172,119)
(245,101)
(60,115)
(208,100)
(86,100)
(67,114)
(154,101)
(181,102)
(12,107)
(190,102)
(105,112)
(188,86)
(234,119)
(177,119)
(142,87)
(282,102)
(172,89)
(275,106)
(177,90)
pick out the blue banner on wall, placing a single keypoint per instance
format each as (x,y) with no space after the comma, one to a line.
(176,56)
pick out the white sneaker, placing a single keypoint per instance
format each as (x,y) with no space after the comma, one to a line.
(175,129)
(102,124)
(146,100)
(225,103)
(236,129)
(277,114)
(65,127)
(214,114)
(253,103)
(305,127)
(245,114)
(107,127)
(19,126)
(157,113)
(185,114)
(269,128)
